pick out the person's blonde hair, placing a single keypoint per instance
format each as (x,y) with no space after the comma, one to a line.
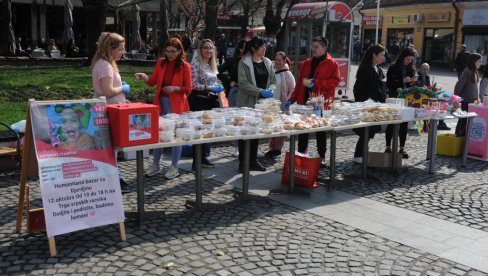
(107,42)
(213,60)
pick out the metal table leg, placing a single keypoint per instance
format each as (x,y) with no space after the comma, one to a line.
(245,170)
(291,167)
(466,141)
(432,146)
(198,175)
(291,174)
(140,185)
(364,171)
(140,215)
(333,148)
(432,124)
(394,153)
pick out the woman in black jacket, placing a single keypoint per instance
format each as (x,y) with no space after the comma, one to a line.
(370,84)
(401,74)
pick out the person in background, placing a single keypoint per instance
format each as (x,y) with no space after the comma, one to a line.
(467,88)
(72,50)
(221,45)
(484,84)
(51,46)
(424,78)
(285,84)
(256,80)
(172,78)
(370,84)
(106,79)
(206,86)
(231,66)
(401,74)
(461,60)
(319,74)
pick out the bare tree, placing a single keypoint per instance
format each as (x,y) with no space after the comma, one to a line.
(95,11)
(280,36)
(272,18)
(194,10)
(211,9)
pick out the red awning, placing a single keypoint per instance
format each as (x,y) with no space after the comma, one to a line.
(318,10)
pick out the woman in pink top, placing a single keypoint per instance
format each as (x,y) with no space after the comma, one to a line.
(105,75)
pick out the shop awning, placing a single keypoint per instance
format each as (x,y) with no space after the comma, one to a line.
(317,11)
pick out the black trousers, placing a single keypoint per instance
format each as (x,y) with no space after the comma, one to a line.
(358,152)
(462,123)
(402,134)
(321,143)
(253,151)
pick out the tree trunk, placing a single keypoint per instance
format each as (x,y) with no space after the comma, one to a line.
(280,36)
(95,12)
(211,9)
(7,38)
(164,25)
(245,18)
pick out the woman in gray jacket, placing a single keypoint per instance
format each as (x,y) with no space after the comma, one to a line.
(467,88)
(256,78)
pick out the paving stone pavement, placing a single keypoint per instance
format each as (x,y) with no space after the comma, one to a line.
(259,238)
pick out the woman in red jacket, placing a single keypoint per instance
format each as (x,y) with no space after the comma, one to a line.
(318,75)
(172,77)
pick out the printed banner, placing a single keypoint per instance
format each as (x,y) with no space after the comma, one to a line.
(344,72)
(77,167)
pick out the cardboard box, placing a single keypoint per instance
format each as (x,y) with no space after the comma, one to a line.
(133,124)
(449,145)
(382,160)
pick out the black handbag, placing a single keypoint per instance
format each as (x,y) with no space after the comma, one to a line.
(201,100)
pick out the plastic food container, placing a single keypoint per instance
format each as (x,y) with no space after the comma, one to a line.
(166,136)
(220,132)
(208,134)
(218,123)
(195,124)
(252,130)
(197,135)
(187,134)
(167,125)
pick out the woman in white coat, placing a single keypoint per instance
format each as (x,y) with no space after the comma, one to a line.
(285,84)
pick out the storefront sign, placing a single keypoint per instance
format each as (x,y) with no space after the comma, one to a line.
(475,17)
(438,17)
(78,174)
(403,19)
(334,11)
(344,73)
(371,20)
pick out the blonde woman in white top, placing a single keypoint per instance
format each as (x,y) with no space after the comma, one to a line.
(285,84)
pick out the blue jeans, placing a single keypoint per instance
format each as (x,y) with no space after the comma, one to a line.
(233,95)
(175,151)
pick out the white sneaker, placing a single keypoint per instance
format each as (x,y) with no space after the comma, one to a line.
(260,155)
(236,152)
(171,173)
(358,160)
(152,170)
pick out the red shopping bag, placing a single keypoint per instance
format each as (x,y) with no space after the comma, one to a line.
(306,170)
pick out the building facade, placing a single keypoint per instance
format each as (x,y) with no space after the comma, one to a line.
(436,29)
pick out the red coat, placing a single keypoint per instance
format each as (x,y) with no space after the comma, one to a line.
(326,79)
(181,78)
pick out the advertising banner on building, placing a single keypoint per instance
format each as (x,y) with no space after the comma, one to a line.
(77,168)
